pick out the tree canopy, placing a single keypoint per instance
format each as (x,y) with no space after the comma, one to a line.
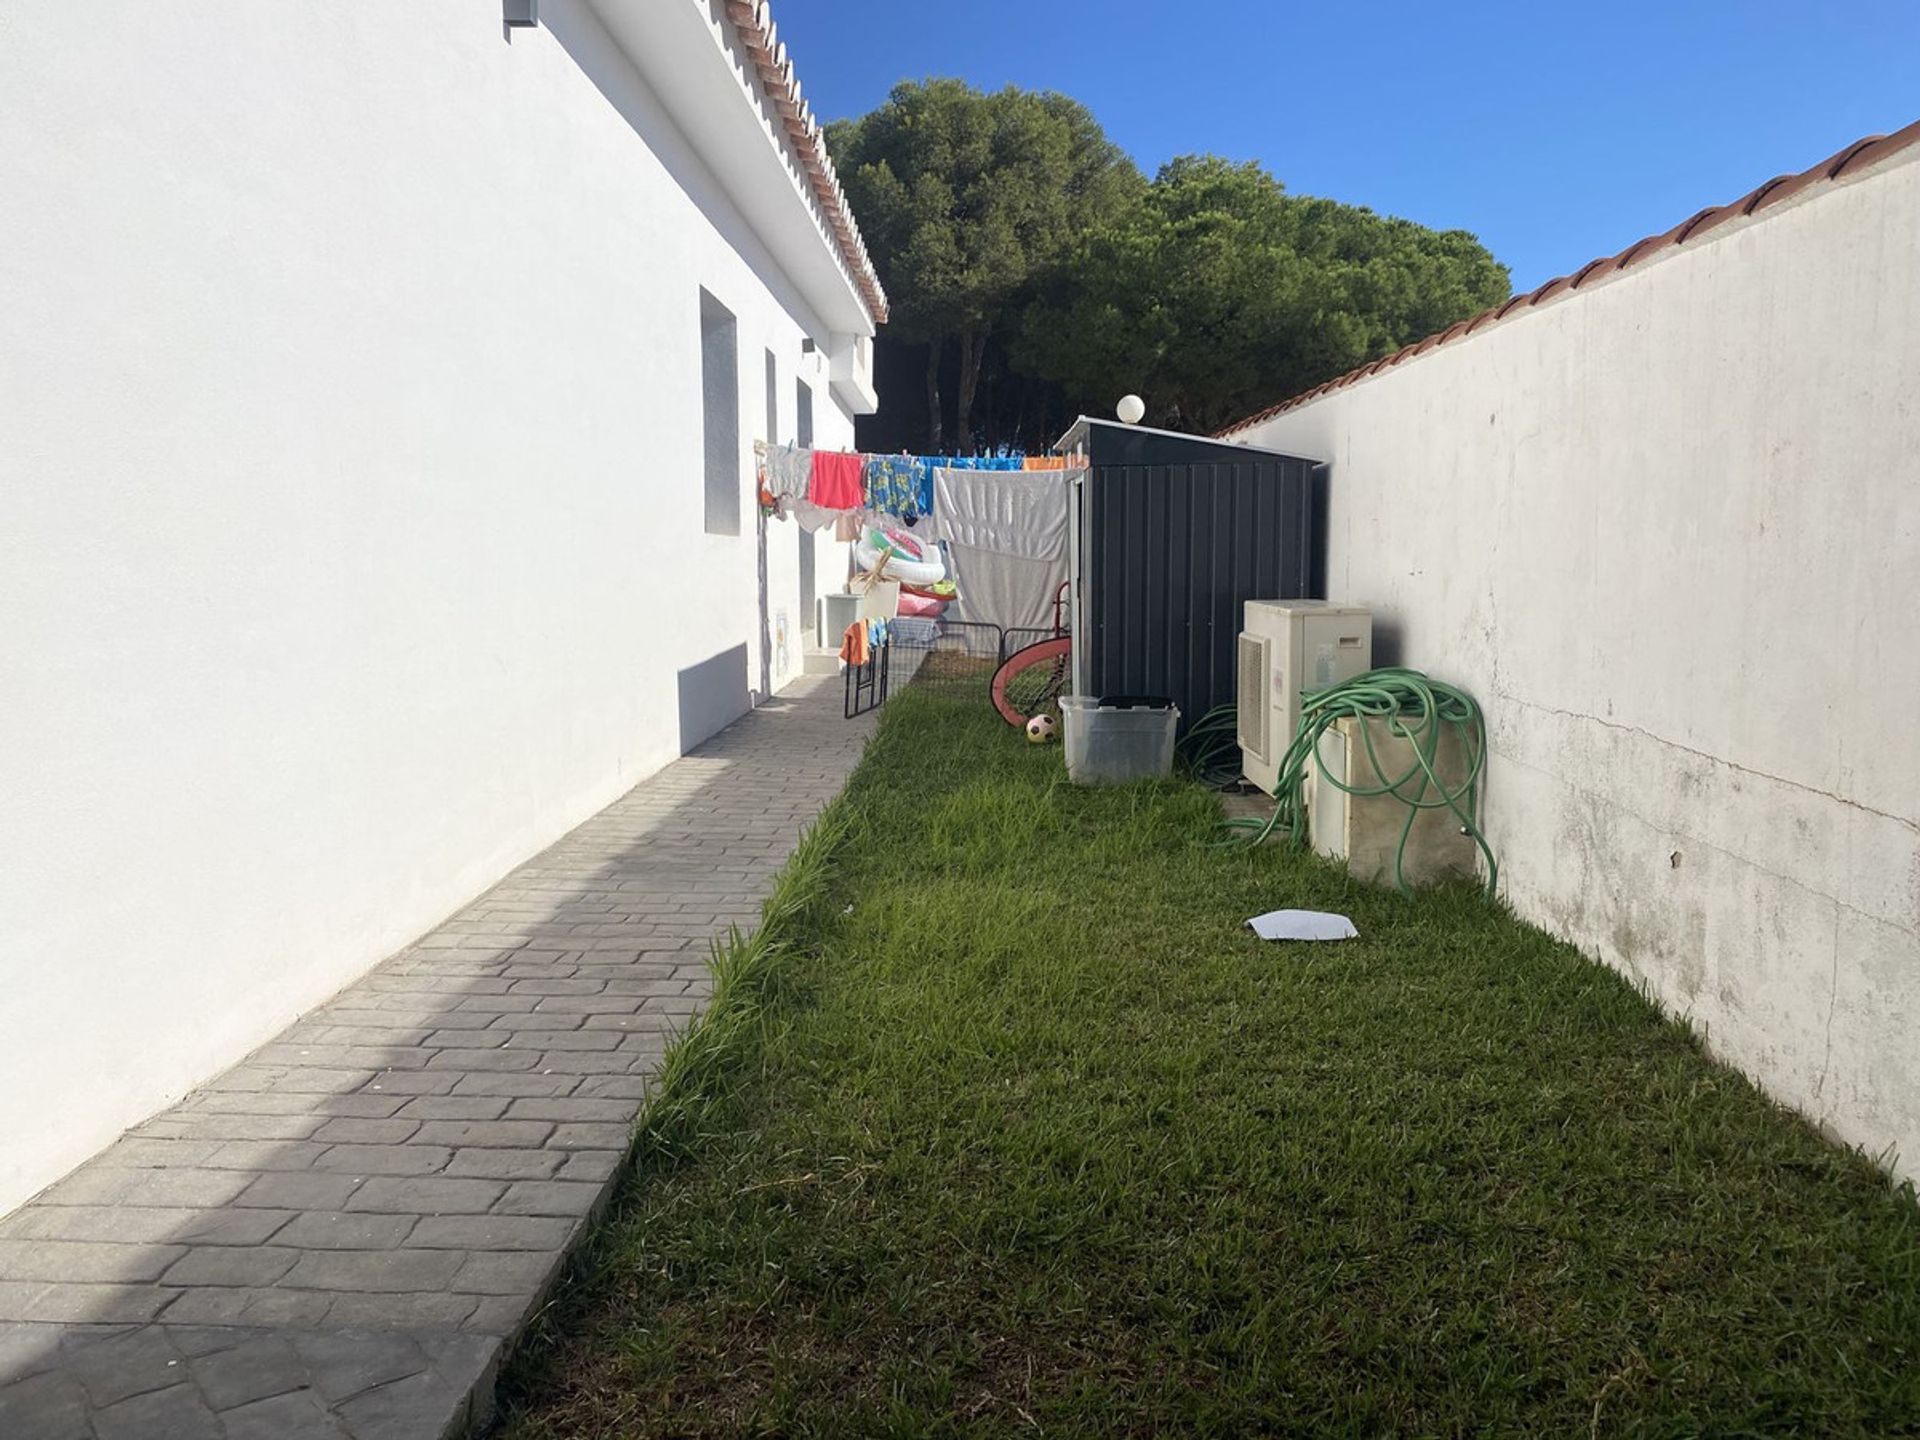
(966,200)
(1021,247)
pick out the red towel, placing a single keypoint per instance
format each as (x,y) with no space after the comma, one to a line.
(835,482)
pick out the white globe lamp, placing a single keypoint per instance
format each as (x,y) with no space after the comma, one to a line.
(1131,409)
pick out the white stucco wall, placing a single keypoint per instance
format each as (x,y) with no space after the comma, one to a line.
(1668,530)
(351,506)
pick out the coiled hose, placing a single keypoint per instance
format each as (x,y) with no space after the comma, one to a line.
(1416,708)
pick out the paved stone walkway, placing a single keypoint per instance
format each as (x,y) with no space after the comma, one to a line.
(340,1236)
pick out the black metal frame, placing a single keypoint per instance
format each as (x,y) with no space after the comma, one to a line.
(1018,637)
(866,685)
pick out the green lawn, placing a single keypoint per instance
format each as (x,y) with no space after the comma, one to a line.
(1017,1130)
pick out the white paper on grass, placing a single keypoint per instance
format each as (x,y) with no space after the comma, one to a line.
(1303,925)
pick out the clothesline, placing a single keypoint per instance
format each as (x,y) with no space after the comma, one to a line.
(819,487)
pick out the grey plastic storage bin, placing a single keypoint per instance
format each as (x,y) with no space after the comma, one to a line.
(1110,743)
(837,612)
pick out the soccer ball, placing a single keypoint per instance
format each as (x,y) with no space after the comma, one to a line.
(1040,729)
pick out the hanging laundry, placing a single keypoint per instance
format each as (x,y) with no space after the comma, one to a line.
(982,462)
(846,525)
(925,465)
(1007,536)
(923,468)
(835,480)
(789,470)
(810,516)
(768,505)
(891,483)
(1046,462)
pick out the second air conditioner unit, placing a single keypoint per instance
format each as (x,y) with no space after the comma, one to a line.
(1286,648)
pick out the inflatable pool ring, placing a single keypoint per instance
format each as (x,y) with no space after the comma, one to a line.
(945,590)
(908,559)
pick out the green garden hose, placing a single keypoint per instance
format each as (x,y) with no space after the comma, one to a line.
(1210,749)
(1415,707)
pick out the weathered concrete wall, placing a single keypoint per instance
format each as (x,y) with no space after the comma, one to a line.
(1668,529)
(351,504)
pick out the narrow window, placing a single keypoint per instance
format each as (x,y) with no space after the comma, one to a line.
(809,584)
(773,400)
(803,437)
(720,414)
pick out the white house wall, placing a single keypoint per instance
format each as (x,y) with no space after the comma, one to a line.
(351,505)
(1668,531)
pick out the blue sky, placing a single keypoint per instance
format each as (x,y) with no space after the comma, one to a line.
(1555,132)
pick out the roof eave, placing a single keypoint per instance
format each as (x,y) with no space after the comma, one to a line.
(704,74)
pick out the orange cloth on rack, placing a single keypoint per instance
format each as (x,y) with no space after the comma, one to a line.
(1044,462)
(853,645)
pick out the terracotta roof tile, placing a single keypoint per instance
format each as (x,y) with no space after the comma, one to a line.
(1705,220)
(1871,152)
(1632,253)
(1854,158)
(753,26)
(1587,271)
(1559,285)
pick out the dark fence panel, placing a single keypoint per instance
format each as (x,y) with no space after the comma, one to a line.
(1171,551)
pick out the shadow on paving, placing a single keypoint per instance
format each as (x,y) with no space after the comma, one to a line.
(342,1235)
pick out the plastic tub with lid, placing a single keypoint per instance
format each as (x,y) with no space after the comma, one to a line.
(1118,738)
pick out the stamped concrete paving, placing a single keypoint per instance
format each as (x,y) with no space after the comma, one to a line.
(339,1236)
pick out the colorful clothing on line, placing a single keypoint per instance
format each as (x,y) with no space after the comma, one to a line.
(853,644)
(923,468)
(1046,462)
(925,465)
(834,483)
(978,462)
(892,486)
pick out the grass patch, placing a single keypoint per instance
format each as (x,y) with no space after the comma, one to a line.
(1008,1126)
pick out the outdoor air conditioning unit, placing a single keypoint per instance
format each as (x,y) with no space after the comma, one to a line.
(1287,647)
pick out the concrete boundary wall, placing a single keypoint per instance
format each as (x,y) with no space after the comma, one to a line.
(1668,530)
(352,541)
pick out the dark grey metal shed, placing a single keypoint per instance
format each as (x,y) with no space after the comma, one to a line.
(1170,535)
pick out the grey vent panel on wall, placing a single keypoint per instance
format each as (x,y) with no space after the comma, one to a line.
(1255,714)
